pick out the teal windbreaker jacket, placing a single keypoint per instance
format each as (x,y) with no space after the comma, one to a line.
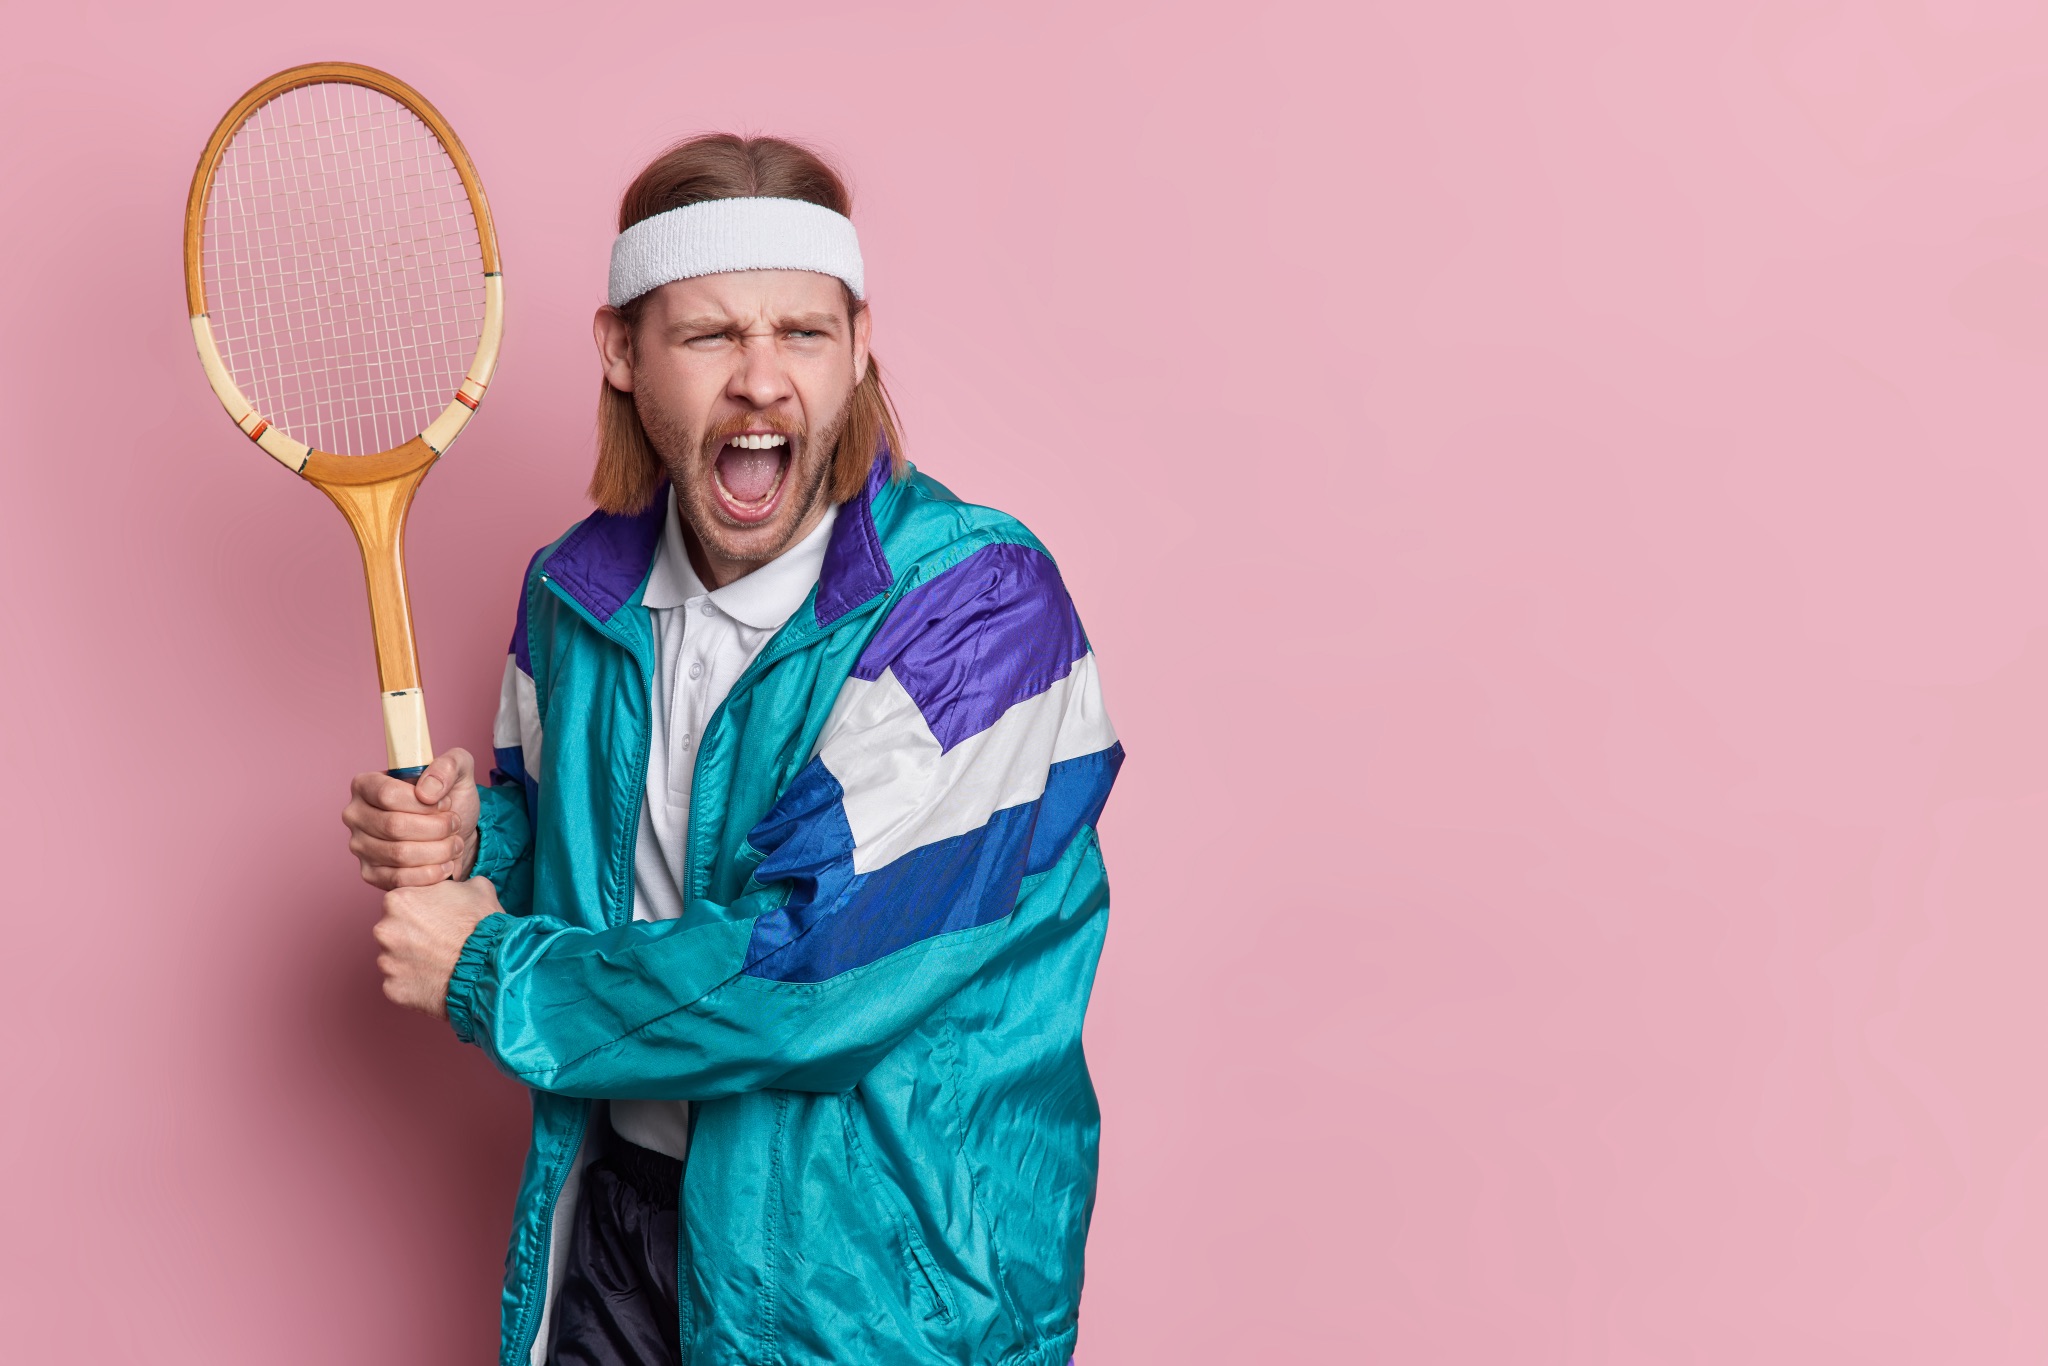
(875,995)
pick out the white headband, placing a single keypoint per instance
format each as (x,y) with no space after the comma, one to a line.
(718,235)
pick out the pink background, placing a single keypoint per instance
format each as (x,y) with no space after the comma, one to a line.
(1558,494)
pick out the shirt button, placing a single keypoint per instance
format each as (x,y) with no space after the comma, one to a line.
(708,608)
(697,670)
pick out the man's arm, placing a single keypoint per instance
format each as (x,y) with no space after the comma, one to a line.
(967,752)
(505,831)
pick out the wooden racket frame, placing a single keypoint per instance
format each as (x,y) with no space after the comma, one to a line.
(374,492)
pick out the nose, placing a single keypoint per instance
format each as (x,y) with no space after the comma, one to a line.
(759,378)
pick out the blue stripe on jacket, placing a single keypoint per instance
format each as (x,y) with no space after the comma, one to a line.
(837,920)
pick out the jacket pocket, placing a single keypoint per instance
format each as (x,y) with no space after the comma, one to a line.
(924,1280)
(747,858)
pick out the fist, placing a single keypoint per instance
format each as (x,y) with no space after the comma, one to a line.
(421,936)
(412,834)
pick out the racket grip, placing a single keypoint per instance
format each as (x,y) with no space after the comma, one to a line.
(406,745)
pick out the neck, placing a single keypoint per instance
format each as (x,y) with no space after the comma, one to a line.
(715,571)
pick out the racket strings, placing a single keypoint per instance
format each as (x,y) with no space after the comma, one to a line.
(343,268)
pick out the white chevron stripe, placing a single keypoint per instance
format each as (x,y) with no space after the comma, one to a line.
(902,793)
(518,720)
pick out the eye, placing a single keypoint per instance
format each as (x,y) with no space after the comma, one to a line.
(805,334)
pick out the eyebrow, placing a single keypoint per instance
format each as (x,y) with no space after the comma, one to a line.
(714,323)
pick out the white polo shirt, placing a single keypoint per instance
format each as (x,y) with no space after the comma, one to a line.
(703,641)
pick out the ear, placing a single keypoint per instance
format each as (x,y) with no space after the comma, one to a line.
(863,327)
(614,348)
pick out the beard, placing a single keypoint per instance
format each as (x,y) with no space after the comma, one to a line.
(692,460)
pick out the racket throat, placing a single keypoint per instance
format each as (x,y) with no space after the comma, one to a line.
(376,498)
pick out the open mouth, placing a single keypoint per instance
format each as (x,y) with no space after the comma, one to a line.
(749,474)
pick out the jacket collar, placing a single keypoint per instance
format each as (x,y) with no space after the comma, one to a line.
(604,562)
(855,567)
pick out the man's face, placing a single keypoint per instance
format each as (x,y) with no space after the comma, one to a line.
(742,381)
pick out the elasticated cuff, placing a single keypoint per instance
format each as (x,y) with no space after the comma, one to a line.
(473,963)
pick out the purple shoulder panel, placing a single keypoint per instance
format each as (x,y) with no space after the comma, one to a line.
(520,652)
(995,629)
(855,568)
(605,558)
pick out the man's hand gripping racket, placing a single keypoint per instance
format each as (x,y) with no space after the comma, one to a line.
(342,274)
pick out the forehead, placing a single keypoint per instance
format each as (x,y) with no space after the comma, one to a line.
(746,295)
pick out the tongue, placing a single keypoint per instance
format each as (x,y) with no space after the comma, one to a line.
(750,475)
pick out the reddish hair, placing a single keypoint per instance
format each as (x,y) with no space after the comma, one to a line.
(723,166)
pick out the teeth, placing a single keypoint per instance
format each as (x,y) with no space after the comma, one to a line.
(764,442)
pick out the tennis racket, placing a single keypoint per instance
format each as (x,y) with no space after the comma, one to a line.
(342,275)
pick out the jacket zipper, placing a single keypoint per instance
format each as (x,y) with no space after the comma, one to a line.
(532,1330)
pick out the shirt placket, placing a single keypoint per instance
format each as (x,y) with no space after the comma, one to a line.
(679,704)
(702,636)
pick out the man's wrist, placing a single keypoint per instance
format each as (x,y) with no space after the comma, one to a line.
(461,1003)
(466,864)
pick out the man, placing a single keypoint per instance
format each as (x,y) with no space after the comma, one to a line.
(784,897)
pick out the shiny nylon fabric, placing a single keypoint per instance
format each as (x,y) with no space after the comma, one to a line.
(895,1164)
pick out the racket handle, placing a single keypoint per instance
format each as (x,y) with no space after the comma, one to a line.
(405,734)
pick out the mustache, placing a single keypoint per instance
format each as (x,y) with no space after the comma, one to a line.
(724,431)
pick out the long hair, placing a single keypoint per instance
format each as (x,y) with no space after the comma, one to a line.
(722,166)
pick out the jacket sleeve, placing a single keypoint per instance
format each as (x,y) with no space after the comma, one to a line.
(965,753)
(504,851)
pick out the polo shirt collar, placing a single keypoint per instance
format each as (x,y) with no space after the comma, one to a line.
(763,599)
